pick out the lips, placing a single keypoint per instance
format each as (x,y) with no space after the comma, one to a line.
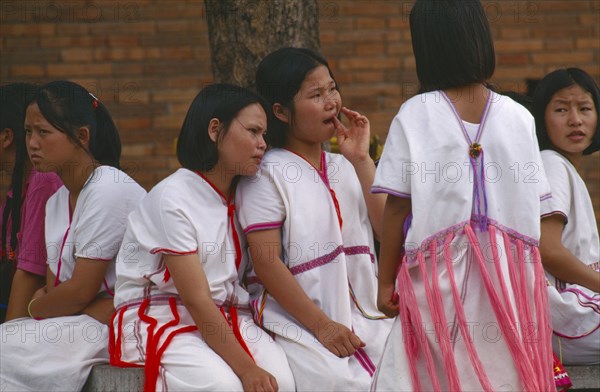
(576,136)
(35,157)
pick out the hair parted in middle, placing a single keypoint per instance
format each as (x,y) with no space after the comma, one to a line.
(452,43)
(279,77)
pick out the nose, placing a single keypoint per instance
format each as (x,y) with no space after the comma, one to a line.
(574,118)
(262,143)
(331,101)
(32,141)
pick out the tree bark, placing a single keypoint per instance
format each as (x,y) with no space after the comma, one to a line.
(242,32)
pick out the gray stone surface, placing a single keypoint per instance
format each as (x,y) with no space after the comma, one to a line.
(106,378)
(584,377)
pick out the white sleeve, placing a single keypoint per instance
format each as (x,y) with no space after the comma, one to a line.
(103,218)
(395,170)
(164,226)
(259,200)
(559,180)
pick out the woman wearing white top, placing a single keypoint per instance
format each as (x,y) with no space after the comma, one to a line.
(72,134)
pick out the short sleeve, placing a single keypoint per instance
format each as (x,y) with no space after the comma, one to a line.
(100,227)
(259,200)
(559,180)
(394,172)
(32,246)
(165,226)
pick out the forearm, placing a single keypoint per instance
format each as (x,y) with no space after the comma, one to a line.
(562,264)
(66,299)
(365,171)
(290,295)
(24,285)
(395,213)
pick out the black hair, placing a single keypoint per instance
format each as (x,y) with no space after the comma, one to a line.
(195,149)
(452,43)
(14,99)
(548,86)
(279,77)
(68,106)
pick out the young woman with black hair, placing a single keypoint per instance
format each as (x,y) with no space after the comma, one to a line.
(23,247)
(70,132)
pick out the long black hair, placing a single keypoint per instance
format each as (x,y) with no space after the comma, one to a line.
(279,77)
(14,99)
(68,106)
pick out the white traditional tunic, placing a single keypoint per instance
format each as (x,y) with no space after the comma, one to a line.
(575,309)
(184,214)
(473,306)
(57,354)
(328,247)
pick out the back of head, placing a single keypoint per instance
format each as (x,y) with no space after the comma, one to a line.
(14,99)
(279,77)
(548,86)
(195,149)
(68,106)
(452,43)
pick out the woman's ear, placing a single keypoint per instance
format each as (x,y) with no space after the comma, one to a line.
(282,113)
(214,126)
(7,136)
(83,135)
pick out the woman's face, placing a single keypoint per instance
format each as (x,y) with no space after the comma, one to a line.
(315,105)
(571,120)
(243,147)
(49,149)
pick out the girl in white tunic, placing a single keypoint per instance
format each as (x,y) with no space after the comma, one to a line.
(310,218)
(181,311)
(566,111)
(459,257)
(71,133)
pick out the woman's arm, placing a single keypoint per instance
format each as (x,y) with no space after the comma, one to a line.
(191,283)
(73,295)
(24,285)
(390,259)
(559,261)
(354,146)
(265,249)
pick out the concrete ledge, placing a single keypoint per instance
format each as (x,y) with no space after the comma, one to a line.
(584,378)
(106,378)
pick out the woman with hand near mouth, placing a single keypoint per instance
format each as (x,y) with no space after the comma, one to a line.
(566,113)
(310,219)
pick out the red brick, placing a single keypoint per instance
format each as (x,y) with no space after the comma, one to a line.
(519,45)
(563,58)
(29,71)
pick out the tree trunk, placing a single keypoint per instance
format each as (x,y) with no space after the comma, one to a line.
(242,32)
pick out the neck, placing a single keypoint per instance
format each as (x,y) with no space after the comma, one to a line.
(75,175)
(309,151)
(221,178)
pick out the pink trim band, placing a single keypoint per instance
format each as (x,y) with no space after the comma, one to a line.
(328,258)
(381,189)
(262,226)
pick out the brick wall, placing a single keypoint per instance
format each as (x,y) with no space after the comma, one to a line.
(146,59)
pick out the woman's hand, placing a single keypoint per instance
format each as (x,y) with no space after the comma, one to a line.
(337,338)
(354,141)
(257,379)
(387,300)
